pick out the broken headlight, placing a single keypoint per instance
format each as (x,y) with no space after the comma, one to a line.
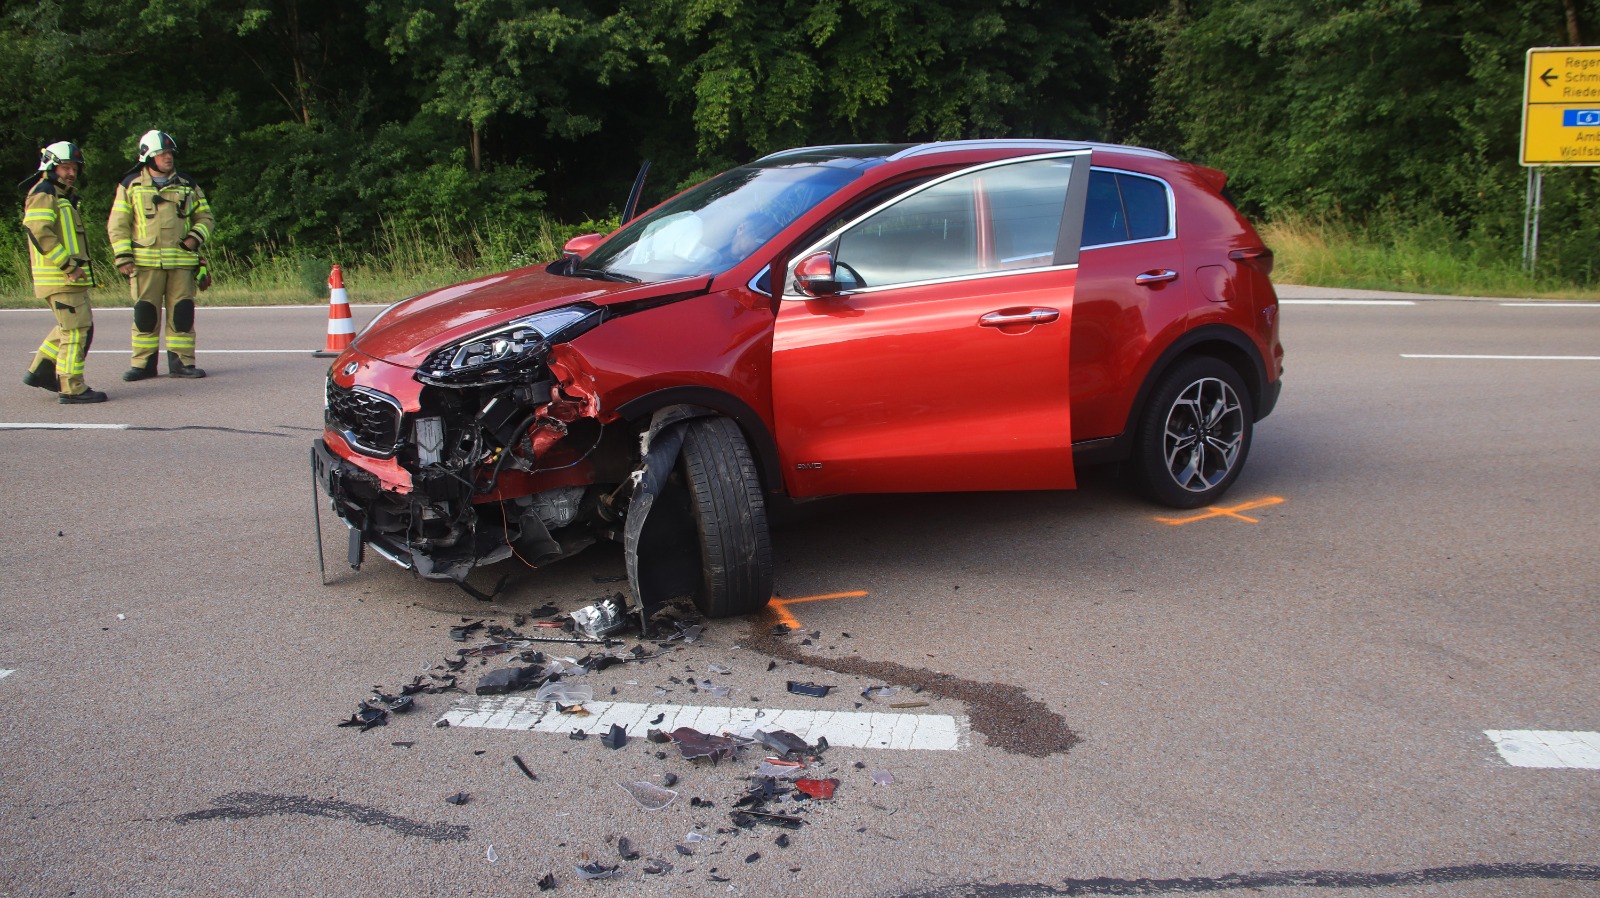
(508,351)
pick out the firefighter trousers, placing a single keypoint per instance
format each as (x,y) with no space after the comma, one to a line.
(63,352)
(156,291)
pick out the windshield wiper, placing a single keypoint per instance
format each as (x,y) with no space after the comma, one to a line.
(600,274)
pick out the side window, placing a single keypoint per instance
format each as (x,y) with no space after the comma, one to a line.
(1124,207)
(999,218)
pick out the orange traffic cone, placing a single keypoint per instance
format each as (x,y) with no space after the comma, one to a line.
(341,330)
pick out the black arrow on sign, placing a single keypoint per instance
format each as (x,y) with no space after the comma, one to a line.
(1548,76)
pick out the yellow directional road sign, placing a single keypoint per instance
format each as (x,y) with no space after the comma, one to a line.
(1561,107)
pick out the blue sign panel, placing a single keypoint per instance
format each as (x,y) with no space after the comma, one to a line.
(1580,118)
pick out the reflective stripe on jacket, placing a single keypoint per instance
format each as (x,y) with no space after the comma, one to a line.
(148,223)
(57,243)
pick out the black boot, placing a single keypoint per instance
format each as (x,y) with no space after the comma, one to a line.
(78,398)
(177,368)
(148,371)
(44,377)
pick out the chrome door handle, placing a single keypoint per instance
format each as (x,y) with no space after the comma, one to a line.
(1031,316)
(1156,277)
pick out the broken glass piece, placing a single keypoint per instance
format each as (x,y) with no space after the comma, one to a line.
(883,777)
(492,855)
(595,871)
(695,838)
(548,882)
(817,788)
(656,866)
(716,668)
(565,693)
(783,742)
(690,635)
(695,744)
(811,689)
(660,693)
(460,798)
(872,692)
(650,796)
(616,738)
(721,691)
(625,850)
(524,768)
(780,770)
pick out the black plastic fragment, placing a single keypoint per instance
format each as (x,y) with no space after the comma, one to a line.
(524,768)
(748,818)
(508,679)
(458,799)
(684,850)
(577,735)
(812,689)
(617,738)
(783,742)
(782,841)
(402,744)
(753,857)
(460,634)
(656,866)
(366,717)
(659,717)
(625,850)
(548,882)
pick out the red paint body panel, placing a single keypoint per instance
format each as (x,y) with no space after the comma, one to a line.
(901,390)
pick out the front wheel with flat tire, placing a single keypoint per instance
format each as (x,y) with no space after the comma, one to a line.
(1194,434)
(728,509)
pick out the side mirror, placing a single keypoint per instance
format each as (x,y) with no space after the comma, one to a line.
(813,275)
(582,244)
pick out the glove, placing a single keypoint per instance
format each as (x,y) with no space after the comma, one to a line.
(203,277)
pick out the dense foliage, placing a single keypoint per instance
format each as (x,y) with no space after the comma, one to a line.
(313,124)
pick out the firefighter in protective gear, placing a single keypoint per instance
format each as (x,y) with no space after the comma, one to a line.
(159,221)
(58,254)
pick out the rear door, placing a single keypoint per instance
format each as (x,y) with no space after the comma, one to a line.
(943,363)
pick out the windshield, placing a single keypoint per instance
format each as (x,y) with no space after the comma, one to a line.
(718,224)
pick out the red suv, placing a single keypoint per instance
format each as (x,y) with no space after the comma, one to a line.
(970,315)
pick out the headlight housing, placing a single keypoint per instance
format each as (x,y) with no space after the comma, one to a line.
(509,352)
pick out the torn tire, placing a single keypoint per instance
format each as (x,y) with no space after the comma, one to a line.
(729,514)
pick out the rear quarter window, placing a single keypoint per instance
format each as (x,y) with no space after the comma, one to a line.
(1124,207)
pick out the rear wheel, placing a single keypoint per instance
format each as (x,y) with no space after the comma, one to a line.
(1195,434)
(729,514)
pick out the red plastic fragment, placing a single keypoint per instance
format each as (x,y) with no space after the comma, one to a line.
(817,788)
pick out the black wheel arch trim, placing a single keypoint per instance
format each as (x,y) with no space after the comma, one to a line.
(1263,393)
(726,404)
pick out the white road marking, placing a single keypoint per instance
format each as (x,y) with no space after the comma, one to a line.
(1346,302)
(5,673)
(1574,750)
(56,425)
(1508,358)
(850,729)
(1552,304)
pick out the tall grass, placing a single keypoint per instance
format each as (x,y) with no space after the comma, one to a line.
(1426,257)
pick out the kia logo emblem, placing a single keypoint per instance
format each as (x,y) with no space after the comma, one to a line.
(350,369)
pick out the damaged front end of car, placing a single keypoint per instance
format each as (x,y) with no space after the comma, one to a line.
(487,450)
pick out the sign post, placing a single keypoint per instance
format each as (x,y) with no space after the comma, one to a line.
(1560,124)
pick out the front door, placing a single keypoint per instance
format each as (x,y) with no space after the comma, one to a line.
(943,362)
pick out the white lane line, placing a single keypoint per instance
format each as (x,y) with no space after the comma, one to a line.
(1346,302)
(5,673)
(850,729)
(1508,358)
(1551,304)
(56,425)
(1574,750)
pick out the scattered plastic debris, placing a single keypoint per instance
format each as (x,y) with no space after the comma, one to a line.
(684,850)
(695,838)
(492,855)
(596,871)
(650,796)
(616,738)
(782,841)
(669,779)
(524,768)
(872,692)
(753,857)
(564,693)
(577,735)
(774,767)
(547,882)
(817,788)
(695,744)
(507,680)
(402,744)
(748,818)
(783,742)
(883,777)
(625,850)
(811,689)
(656,866)
(716,668)
(460,634)
(460,798)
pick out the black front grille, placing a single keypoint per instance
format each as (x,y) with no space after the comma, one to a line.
(368,420)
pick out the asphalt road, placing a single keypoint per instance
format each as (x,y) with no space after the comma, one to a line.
(1287,696)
